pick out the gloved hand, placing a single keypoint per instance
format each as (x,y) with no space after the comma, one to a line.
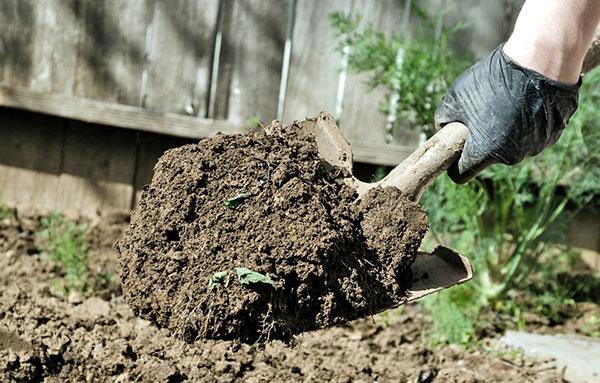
(512,112)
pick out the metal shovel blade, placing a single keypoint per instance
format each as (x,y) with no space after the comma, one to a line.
(438,270)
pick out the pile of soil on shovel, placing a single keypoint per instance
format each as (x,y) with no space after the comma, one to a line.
(254,237)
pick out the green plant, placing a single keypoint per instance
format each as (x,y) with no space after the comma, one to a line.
(389,317)
(506,219)
(255,122)
(216,278)
(5,211)
(248,277)
(65,243)
(454,313)
(416,81)
(591,326)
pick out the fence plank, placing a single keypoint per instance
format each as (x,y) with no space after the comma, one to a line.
(98,163)
(251,60)
(97,168)
(40,40)
(111,114)
(489,24)
(360,119)
(28,173)
(56,37)
(110,51)
(313,75)
(16,41)
(180,53)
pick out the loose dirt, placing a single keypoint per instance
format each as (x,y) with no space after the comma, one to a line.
(266,202)
(45,338)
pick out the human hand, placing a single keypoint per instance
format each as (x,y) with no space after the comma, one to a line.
(512,112)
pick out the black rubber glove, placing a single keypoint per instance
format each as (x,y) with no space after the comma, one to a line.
(512,112)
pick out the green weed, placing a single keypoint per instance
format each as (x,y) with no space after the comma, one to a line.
(5,211)
(216,278)
(420,80)
(388,317)
(248,277)
(591,327)
(65,243)
(255,122)
(505,219)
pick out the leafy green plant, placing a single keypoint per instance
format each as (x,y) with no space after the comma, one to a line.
(65,243)
(234,202)
(248,277)
(5,211)
(419,79)
(216,278)
(454,312)
(255,122)
(507,219)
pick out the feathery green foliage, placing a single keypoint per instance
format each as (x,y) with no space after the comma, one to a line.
(420,79)
(65,243)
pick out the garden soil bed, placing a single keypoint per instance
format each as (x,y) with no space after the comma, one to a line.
(45,338)
(265,204)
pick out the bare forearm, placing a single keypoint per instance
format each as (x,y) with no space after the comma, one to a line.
(552,36)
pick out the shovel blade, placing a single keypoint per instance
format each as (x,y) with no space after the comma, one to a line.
(438,270)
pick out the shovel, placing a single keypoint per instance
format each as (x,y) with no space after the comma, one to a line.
(443,267)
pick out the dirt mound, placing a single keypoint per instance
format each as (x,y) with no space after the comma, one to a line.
(255,237)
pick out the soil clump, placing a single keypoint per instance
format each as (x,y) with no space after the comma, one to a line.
(254,237)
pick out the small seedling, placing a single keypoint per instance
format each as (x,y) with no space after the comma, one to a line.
(216,278)
(5,211)
(247,277)
(255,122)
(65,243)
(234,202)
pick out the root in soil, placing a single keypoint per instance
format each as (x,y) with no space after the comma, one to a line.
(254,237)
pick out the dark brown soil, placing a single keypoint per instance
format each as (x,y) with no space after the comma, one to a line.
(45,338)
(330,260)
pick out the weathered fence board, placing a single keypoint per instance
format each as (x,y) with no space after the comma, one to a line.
(42,37)
(489,23)
(56,35)
(98,164)
(251,60)
(97,170)
(110,50)
(28,173)
(313,76)
(360,119)
(181,43)
(16,41)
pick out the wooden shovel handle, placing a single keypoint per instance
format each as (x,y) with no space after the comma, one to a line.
(422,167)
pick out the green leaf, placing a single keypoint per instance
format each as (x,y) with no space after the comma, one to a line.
(216,278)
(234,202)
(247,276)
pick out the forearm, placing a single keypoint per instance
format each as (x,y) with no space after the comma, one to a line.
(552,36)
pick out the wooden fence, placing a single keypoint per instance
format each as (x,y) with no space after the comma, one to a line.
(92,92)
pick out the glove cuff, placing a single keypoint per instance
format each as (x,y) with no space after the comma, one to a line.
(537,76)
